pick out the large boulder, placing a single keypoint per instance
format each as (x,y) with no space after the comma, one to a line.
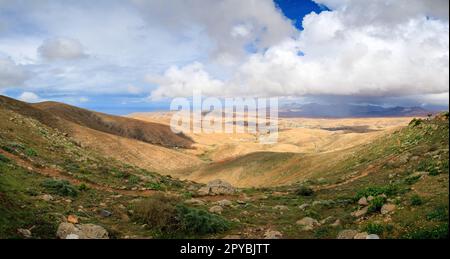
(82,231)
(217,187)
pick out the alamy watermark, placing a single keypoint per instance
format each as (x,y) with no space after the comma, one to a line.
(256,116)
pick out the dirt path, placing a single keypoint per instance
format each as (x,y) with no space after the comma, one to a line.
(50,172)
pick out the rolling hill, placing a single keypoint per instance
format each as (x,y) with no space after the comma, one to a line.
(148,145)
(395,186)
(148,132)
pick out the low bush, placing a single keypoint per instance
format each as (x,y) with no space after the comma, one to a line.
(165,216)
(30,152)
(412,179)
(374,228)
(416,200)
(159,213)
(197,221)
(62,188)
(438,214)
(304,191)
(154,186)
(133,179)
(376,204)
(4,159)
(415,122)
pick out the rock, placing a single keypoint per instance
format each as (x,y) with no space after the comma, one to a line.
(360,213)
(362,235)
(308,223)
(347,234)
(363,201)
(105,213)
(224,203)
(204,191)
(337,223)
(304,206)
(194,201)
(83,231)
(281,207)
(26,233)
(216,209)
(387,208)
(219,187)
(46,197)
(72,236)
(372,236)
(327,220)
(272,234)
(72,219)
(370,198)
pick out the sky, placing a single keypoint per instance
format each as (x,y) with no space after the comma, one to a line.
(122,56)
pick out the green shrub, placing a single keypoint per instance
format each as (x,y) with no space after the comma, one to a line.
(30,152)
(438,214)
(415,122)
(412,179)
(154,186)
(437,232)
(197,221)
(416,200)
(83,187)
(163,215)
(433,171)
(374,228)
(133,179)
(304,191)
(376,204)
(4,159)
(8,149)
(159,213)
(62,188)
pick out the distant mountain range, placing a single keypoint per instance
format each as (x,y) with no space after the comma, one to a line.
(315,110)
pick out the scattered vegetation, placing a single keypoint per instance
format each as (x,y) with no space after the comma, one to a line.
(437,232)
(61,187)
(438,214)
(388,190)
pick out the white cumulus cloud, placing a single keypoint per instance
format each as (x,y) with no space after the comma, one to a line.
(29,97)
(62,49)
(343,53)
(11,74)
